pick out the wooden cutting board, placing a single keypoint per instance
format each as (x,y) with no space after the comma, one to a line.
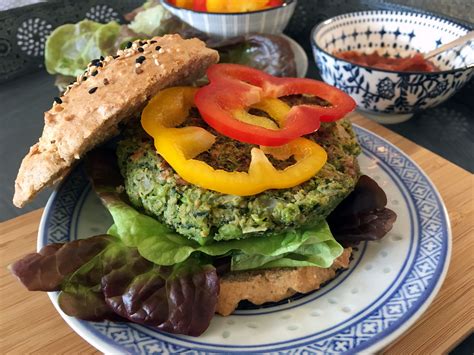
(29,322)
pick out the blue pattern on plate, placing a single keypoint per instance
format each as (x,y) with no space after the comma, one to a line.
(400,303)
(392,33)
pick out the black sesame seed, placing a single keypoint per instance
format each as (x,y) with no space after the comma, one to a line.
(157,48)
(94,73)
(115,56)
(91,91)
(129,44)
(140,49)
(140,59)
(99,64)
(95,61)
(106,81)
(141,43)
(102,57)
(58,100)
(84,78)
(153,41)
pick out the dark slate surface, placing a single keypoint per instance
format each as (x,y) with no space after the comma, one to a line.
(23,102)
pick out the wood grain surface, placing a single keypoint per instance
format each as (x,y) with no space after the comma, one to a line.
(30,324)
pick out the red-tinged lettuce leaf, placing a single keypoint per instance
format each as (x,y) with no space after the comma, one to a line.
(86,303)
(46,270)
(82,294)
(267,52)
(101,278)
(179,300)
(362,215)
(270,53)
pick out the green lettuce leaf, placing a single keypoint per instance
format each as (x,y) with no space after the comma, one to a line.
(149,21)
(311,246)
(71,47)
(320,254)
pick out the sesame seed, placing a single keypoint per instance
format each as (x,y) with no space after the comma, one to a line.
(141,43)
(106,81)
(84,78)
(94,73)
(58,100)
(140,49)
(115,56)
(129,44)
(152,41)
(140,59)
(95,61)
(99,64)
(91,91)
(157,48)
(102,57)
(138,70)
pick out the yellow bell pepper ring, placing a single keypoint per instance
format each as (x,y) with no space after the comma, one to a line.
(187,4)
(235,5)
(179,146)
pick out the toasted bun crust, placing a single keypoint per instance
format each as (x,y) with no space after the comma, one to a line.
(113,90)
(273,285)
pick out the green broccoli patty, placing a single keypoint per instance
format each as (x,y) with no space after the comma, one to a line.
(154,187)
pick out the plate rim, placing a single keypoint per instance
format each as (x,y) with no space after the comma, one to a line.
(299,53)
(390,338)
(377,345)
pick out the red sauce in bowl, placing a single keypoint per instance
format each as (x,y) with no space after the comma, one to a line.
(375,60)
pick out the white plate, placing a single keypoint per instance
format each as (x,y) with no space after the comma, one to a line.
(301,59)
(389,283)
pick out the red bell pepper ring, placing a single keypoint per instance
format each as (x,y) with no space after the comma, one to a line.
(199,5)
(274,3)
(233,87)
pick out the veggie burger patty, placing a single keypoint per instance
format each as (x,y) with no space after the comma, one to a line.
(152,185)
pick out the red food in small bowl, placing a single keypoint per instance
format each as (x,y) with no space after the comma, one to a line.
(408,64)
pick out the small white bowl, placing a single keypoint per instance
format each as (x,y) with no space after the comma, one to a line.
(384,95)
(226,25)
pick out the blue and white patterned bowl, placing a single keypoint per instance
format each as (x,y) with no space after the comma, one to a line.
(389,96)
(226,25)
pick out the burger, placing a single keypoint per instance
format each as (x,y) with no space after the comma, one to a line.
(243,189)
